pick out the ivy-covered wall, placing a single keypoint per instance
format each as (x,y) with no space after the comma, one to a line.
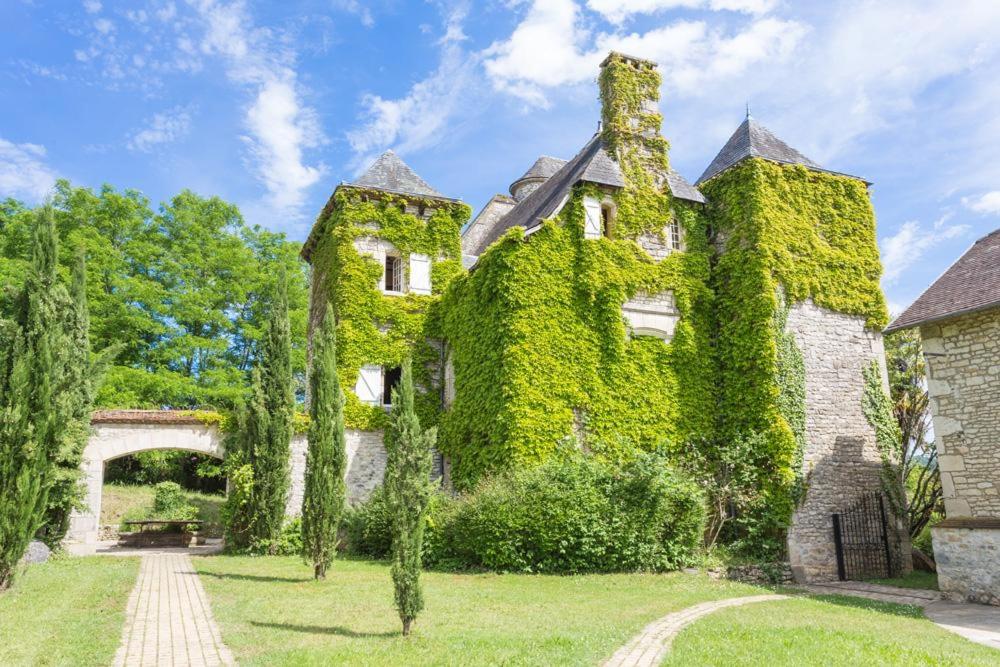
(536,333)
(373,327)
(786,234)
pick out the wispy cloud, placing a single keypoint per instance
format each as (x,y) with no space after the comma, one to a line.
(617,11)
(363,13)
(161,128)
(280,126)
(988,203)
(419,119)
(907,246)
(23,171)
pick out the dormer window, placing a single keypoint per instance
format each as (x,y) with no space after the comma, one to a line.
(393,273)
(598,218)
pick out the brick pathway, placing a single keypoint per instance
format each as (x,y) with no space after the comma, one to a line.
(168,621)
(650,646)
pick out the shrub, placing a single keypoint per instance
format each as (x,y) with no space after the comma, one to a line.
(566,516)
(169,502)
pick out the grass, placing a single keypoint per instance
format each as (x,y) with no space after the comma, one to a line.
(915,579)
(120,502)
(827,630)
(271,612)
(68,611)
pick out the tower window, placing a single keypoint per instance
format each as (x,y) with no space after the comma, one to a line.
(390,382)
(674,235)
(393,273)
(607,220)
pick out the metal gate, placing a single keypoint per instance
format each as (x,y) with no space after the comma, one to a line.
(861,535)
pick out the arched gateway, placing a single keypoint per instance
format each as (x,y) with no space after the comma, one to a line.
(118,433)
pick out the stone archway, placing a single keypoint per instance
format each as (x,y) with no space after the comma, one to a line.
(118,433)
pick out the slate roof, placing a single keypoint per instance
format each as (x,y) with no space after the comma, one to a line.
(391,174)
(544,167)
(751,139)
(592,164)
(969,285)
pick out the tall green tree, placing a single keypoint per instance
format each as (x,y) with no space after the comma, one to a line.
(184,289)
(408,492)
(40,401)
(326,459)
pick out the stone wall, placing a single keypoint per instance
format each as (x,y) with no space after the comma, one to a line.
(968,560)
(963,370)
(365,467)
(652,314)
(479,228)
(841,459)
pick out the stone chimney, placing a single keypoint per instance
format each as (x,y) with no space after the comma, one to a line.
(630,113)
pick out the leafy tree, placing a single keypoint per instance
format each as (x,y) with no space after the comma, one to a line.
(908,390)
(408,489)
(326,458)
(183,290)
(40,398)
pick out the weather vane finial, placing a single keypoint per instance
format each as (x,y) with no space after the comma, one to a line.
(748,109)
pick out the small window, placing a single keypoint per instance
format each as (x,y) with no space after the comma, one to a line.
(390,382)
(607,220)
(674,235)
(393,273)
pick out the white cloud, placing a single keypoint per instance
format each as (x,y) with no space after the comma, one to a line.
(988,203)
(358,9)
(280,125)
(104,26)
(617,11)
(92,6)
(419,119)
(907,246)
(552,46)
(23,172)
(161,128)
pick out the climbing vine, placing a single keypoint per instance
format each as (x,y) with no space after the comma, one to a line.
(372,327)
(878,410)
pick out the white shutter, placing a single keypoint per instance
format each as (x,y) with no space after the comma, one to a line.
(592,218)
(369,386)
(420,273)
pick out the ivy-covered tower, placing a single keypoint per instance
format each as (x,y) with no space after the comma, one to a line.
(381,252)
(799,311)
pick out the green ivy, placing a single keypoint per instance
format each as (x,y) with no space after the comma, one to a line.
(372,327)
(878,410)
(540,348)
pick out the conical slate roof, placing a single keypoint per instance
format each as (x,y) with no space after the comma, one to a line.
(390,173)
(751,139)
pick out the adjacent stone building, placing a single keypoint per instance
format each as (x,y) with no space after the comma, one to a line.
(959,322)
(608,304)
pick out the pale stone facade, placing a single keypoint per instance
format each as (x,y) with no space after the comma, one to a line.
(963,370)
(841,458)
(652,315)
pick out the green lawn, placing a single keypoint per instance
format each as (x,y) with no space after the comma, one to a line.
(118,500)
(68,611)
(271,612)
(915,579)
(827,630)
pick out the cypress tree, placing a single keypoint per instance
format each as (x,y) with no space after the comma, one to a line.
(271,459)
(408,491)
(34,411)
(326,458)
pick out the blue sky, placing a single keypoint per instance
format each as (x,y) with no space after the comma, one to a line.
(271,104)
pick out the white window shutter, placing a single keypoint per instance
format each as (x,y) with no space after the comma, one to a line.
(592,218)
(369,386)
(420,273)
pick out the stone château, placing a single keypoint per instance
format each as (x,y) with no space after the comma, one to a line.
(607,304)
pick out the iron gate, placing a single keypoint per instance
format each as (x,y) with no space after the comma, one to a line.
(861,536)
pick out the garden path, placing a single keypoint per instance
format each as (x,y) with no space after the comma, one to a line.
(169,621)
(649,647)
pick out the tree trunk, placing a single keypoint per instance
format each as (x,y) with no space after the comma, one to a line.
(406,626)
(320,571)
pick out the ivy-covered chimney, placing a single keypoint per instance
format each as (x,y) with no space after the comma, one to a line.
(630,114)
